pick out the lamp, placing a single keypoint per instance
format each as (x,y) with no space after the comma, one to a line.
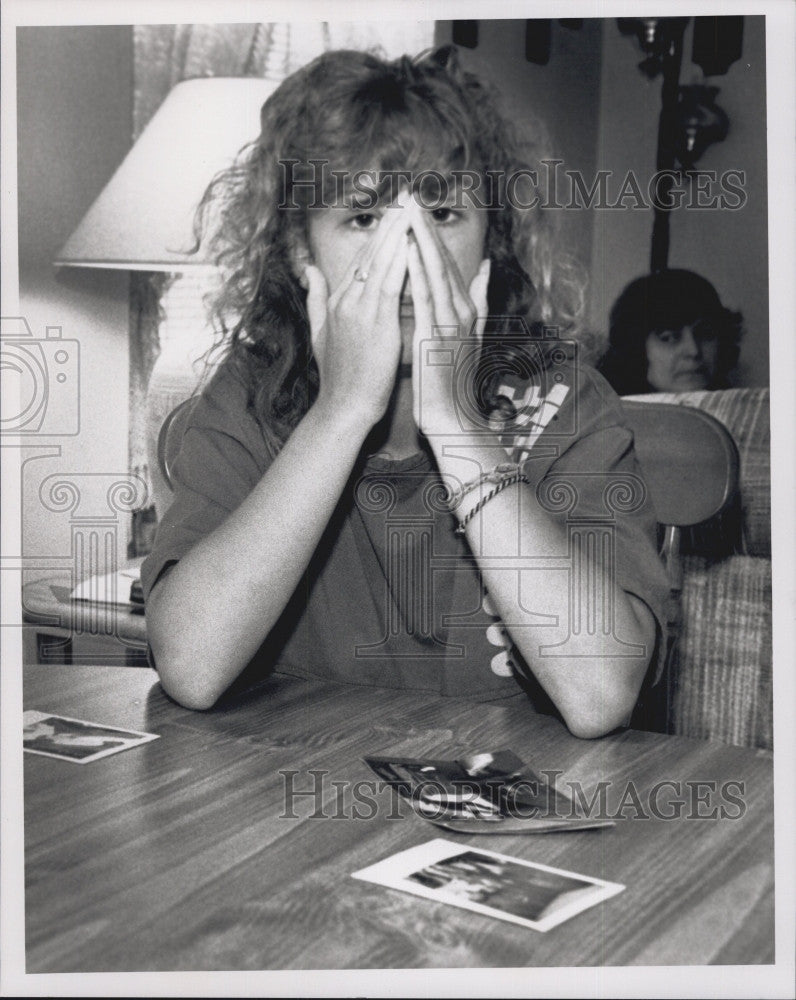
(143,218)
(142,221)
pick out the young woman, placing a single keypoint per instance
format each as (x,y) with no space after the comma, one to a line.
(380,485)
(669,332)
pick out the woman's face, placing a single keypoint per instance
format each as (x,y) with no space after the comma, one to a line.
(682,360)
(336,235)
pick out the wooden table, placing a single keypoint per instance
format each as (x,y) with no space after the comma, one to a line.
(177,855)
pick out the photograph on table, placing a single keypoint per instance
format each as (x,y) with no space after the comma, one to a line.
(75,740)
(536,896)
(481,786)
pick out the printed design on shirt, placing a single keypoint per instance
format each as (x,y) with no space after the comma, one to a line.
(497,635)
(533,413)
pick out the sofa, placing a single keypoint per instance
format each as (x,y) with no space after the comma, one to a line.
(722,671)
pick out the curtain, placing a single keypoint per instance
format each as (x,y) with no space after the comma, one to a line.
(164,55)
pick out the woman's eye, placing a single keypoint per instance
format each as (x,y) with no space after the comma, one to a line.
(443,215)
(364,221)
(668,336)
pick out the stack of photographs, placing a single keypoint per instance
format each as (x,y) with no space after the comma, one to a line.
(485,792)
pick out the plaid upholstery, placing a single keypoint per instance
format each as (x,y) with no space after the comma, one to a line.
(722,673)
(723,678)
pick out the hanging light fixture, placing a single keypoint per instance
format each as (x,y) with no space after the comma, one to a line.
(656,36)
(701,122)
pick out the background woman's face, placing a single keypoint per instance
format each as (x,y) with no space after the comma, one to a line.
(682,360)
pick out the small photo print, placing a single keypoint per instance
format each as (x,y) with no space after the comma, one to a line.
(75,740)
(496,885)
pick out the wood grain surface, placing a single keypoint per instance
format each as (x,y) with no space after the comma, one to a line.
(179,855)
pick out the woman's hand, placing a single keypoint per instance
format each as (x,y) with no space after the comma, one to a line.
(355,331)
(441,300)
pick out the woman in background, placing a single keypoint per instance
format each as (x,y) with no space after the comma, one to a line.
(375,486)
(669,332)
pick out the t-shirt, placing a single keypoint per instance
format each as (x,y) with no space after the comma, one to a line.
(393,596)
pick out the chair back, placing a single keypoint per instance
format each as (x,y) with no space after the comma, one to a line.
(170,437)
(690,461)
(691,467)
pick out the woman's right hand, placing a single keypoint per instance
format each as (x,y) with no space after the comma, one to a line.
(355,330)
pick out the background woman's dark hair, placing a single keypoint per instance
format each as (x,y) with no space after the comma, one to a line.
(357,111)
(666,300)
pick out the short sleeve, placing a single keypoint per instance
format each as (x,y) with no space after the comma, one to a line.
(222,457)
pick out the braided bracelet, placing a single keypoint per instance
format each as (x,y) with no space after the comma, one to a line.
(510,480)
(496,475)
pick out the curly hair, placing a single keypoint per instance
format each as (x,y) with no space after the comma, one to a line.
(354,109)
(666,300)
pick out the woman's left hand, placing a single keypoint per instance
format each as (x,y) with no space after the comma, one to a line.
(445,310)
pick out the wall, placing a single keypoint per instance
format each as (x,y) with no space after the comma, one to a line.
(730,247)
(74,104)
(556,104)
(601,113)
(727,247)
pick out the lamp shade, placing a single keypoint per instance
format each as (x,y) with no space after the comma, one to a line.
(143,218)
